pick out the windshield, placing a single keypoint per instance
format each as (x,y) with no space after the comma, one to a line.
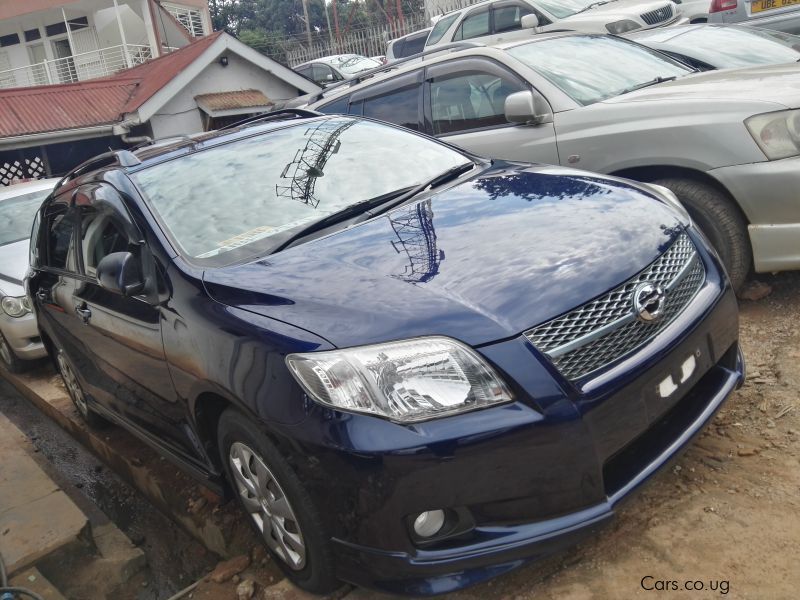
(16,216)
(565,8)
(733,47)
(231,202)
(350,64)
(591,68)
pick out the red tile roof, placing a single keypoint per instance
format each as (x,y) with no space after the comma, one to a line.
(41,109)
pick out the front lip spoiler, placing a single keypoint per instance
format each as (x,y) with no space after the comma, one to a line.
(430,572)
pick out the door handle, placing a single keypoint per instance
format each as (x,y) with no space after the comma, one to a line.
(83,312)
(41,296)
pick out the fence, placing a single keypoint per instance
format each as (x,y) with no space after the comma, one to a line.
(78,67)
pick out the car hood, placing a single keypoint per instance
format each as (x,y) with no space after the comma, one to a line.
(480,261)
(13,266)
(777,84)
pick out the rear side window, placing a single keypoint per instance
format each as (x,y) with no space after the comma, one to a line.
(60,223)
(469,100)
(441,27)
(475,25)
(400,107)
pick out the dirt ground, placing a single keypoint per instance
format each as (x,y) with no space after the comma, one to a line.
(726,515)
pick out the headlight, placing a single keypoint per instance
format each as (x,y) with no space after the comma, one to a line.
(671,200)
(776,133)
(15,306)
(624,26)
(403,381)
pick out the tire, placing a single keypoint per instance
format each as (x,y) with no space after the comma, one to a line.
(721,221)
(9,359)
(76,393)
(296,539)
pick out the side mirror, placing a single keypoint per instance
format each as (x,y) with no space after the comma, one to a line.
(529,22)
(119,272)
(527,107)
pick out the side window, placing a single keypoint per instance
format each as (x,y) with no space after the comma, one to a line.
(60,226)
(400,107)
(509,17)
(475,25)
(337,107)
(414,46)
(322,73)
(101,231)
(441,27)
(469,100)
(304,71)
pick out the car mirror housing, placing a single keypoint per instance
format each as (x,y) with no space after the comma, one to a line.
(529,22)
(119,272)
(527,107)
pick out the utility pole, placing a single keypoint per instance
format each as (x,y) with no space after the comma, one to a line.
(336,21)
(308,22)
(330,31)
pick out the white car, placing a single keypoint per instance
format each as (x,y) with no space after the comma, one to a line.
(19,335)
(498,21)
(339,67)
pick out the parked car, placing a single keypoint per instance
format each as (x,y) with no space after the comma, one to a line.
(330,69)
(694,11)
(781,15)
(726,143)
(446,366)
(19,335)
(407,45)
(708,47)
(501,21)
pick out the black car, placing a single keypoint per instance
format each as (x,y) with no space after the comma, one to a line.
(412,377)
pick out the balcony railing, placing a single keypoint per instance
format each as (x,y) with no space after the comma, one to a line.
(78,67)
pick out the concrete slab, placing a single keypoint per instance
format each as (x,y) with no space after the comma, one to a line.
(37,519)
(31,579)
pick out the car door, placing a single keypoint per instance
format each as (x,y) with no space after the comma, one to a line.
(507,21)
(465,105)
(123,333)
(475,27)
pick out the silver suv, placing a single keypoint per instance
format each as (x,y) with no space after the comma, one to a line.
(781,15)
(727,143)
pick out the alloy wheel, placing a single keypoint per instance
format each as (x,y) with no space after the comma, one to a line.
(72,385)
(267,505)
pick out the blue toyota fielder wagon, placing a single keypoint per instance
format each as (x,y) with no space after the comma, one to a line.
(414,368)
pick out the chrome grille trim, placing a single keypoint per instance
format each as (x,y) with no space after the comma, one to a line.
(601,331)
(657,16)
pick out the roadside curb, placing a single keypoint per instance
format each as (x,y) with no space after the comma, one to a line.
(219,528)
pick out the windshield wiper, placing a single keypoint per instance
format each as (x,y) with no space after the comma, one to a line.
(442,178)
(384,202)
(645,84)
(593,5)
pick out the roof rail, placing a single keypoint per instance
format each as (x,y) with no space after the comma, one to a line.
(123,158)
(452,47)
(163,141)
(301,113)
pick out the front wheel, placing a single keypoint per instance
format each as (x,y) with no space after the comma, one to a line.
(8,358)
(276,504)
(76,393)
(721,221)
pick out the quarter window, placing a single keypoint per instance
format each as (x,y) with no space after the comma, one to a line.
(475,25)
(469,101)
(400,107)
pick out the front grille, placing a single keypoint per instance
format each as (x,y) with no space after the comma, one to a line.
(654,17)
(596,334)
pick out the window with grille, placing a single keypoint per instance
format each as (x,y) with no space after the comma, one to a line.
(190,18)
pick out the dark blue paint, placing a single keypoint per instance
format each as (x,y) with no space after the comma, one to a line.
(511,247)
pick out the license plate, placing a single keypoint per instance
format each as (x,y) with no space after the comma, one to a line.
(762,5)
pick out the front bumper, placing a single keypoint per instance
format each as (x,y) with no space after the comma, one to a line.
(533,476)
(769,194)
(22,335)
